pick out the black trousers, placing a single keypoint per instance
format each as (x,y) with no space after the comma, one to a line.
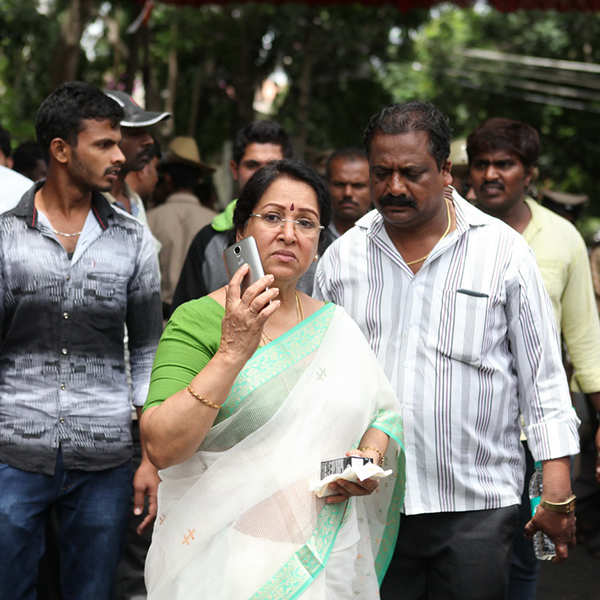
(452,556)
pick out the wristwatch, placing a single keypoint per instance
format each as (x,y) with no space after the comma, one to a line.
(566,506)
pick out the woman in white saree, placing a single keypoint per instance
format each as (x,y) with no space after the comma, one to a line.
(249,393)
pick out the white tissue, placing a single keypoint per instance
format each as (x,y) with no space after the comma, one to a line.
(354,474)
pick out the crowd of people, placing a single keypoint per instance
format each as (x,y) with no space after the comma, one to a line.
(162,421)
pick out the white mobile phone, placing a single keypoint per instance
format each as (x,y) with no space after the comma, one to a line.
(244,251)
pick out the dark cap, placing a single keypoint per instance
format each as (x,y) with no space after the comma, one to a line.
(135,115)
(566,200)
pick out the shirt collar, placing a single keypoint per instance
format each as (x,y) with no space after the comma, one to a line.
(334,232)
(26,208)
(135,200)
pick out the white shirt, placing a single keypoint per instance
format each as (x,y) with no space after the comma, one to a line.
(468,342)
(12,187)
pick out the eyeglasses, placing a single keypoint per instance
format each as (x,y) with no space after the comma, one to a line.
(304,225)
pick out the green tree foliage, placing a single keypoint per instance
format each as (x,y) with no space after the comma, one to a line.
(563,105)
(25,38)
(330,54)
(343,63)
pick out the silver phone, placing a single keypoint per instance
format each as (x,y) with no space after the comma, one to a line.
(244,251)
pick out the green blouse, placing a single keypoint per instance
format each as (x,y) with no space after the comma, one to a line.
(190,339)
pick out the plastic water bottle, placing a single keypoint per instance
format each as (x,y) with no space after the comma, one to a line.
(543,546)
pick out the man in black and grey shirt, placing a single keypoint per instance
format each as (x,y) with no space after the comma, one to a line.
(75,270)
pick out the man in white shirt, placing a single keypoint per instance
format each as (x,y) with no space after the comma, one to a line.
(5,149)
(453,304)
(13,186)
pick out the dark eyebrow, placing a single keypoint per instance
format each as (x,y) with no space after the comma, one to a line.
(282,208)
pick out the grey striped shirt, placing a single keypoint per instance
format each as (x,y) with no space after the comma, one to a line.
(62,370)
(469,343)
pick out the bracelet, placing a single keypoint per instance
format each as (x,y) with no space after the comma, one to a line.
(379,454)
(202,399)
(566,506)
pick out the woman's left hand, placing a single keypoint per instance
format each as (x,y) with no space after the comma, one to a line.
(344,489)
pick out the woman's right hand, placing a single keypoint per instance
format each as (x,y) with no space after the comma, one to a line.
(245,315)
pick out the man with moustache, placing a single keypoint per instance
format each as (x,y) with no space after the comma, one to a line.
(75,270)
(137,145)
(503,155)
(347,173)
(145,181)
(453,305)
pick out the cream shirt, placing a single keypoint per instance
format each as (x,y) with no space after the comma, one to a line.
(562,258)
(174,224)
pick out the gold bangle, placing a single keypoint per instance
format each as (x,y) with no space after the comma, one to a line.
(379,453)
(201,399)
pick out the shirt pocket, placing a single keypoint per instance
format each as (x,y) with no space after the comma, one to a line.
(468,326)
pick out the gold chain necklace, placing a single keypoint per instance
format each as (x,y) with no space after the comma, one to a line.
(418,260)
(67,235)
(265,339)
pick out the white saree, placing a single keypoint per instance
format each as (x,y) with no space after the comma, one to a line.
(236,521)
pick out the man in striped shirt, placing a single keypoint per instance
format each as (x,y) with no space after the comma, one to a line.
(74,269)
(453,304)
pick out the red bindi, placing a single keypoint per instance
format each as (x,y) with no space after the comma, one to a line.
(292,206)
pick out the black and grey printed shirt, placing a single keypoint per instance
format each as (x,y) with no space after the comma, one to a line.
(62,372)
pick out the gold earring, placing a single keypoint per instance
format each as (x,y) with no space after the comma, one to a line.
(316,258)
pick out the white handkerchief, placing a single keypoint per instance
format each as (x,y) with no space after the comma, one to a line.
(351,473)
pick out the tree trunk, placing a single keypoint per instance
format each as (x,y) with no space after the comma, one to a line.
(304,89)
(169,127)
(66,56)
(195,100)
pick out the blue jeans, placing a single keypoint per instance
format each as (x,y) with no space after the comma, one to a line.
(92,508)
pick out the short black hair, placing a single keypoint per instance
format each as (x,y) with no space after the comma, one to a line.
(350,153)
(26,156)
(261,180)
(261,132)
(512,136)
(61,114)
(4,141)
(184,176)
(413,116)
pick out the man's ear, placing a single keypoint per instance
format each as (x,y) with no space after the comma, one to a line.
(234,169)
(531,174)
(446,174)
(60,150)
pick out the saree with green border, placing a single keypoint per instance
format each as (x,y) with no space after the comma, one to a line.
(237,520)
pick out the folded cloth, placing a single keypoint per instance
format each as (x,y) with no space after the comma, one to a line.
(354,473)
